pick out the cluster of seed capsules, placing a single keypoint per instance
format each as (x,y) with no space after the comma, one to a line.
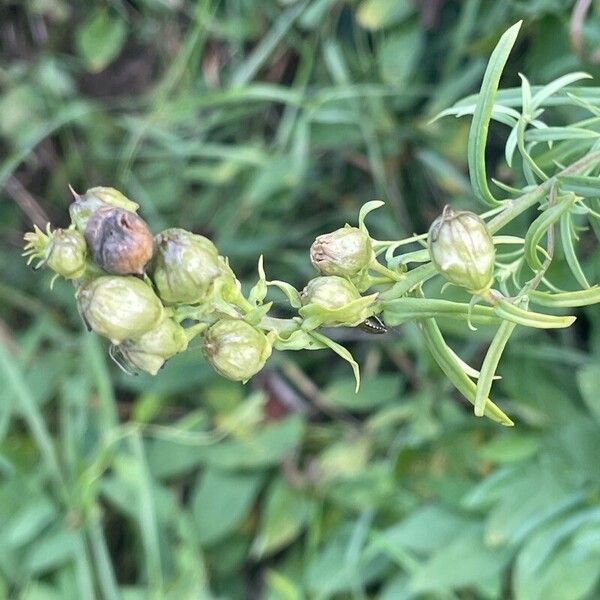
(150,295)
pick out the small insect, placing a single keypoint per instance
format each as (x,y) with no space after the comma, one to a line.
(373,325)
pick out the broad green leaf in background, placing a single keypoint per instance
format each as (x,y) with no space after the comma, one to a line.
(285,513)
(555,564)
(379,14)
(425,530)
(100,39)
(333,569)
(373,392)
(262,447)
(399,53)
(221,501)
(588,379)
(465,561)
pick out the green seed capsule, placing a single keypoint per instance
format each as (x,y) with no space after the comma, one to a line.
(185,267)
(150,352)
(345,252)
(119,308)
(330,292)
(99,197)
(67,253)
(332,300)
(462,250)
(63,250)
(236,349)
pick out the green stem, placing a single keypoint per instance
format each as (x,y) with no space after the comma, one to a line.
(409,281)
(515,207)
(379,268)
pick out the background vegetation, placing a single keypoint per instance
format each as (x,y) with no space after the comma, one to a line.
(262,124)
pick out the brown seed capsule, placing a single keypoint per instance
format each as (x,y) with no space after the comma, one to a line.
(120,242)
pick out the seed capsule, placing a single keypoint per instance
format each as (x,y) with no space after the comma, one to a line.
(330,292)
(98,197)
(66,253)
(344,252)
(63,250)
(150,352)
(119,308)
(120,242)
(236,349)
(185,267)
(462,250)
(333,300)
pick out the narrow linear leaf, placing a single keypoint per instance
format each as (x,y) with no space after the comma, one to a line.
(366,209)
(582,185)
(566,237)
(520,316)
(554,134)
(396,312)
(483,112)
(538,229)
(490,364)
(566,299)
(246,71)
(340,351)
(445,359)
(554,86)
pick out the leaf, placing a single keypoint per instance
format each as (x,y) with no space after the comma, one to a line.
(551,565)
(285,513)
(50,551)
(29,522)
(374,392)
(566,299)
(540,226)
(333,569)
(483,112)
(423,531)
(378,14)
(100,39)
(365,209)
(399,54)
(568,244)
(588,381)
(452,368)
(340,351)
(582,185)
(530,500)
(511,447)
(465,561)
(259,448)
(221,501)
(490,364)
(554,86)
(399,310)
(511,312)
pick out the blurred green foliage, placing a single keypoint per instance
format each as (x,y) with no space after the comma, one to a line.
(262,124)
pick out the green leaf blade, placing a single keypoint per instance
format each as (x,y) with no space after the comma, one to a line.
(483,112)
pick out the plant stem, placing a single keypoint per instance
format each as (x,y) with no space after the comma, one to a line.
(515,207)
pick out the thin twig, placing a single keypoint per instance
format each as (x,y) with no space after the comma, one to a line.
(576,25)
(27,203)
(311,391)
